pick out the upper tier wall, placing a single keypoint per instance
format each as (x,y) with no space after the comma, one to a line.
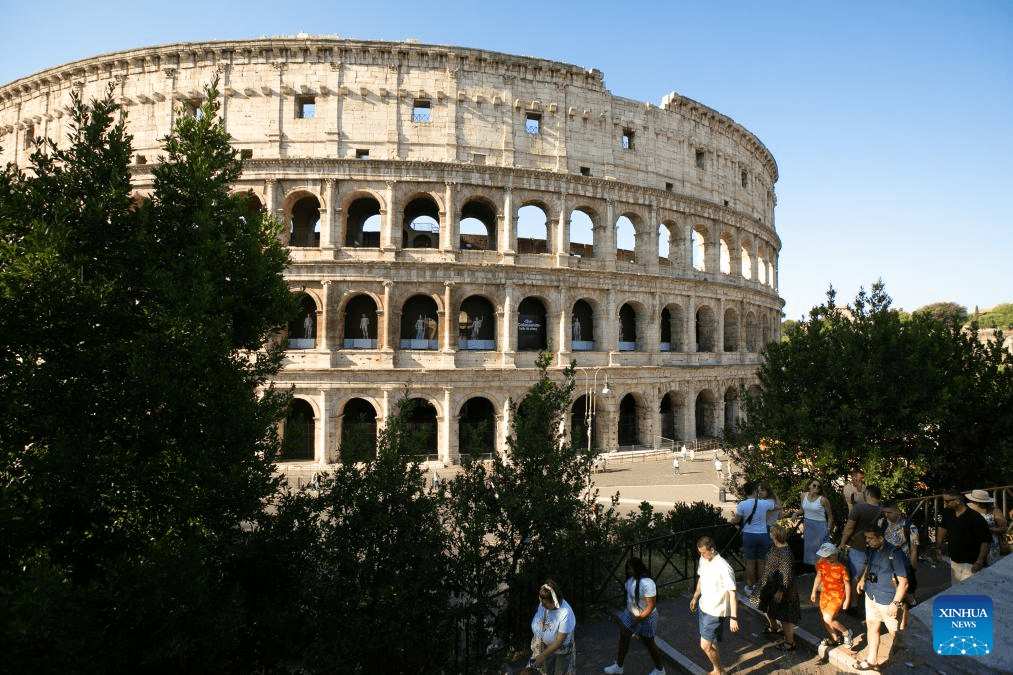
(331,98)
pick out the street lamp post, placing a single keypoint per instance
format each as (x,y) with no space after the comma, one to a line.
(590,387)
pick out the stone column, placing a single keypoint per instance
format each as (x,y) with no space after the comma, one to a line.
(327,234)
(450,237)
(326,323)
(559,236)
(384,319)
(605,236)
(444,445)
(390,224)
(507,240)
(449,319)
(650,248)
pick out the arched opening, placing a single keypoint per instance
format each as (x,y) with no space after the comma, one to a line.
(751,333)
(420,323)
(731,408)
(725,256)
(422,427)
(699,251)
(298,439)
(254,207)
(764,331)
(477,324)
(746,257)
(360,323)
(358,431)
(671,419)
(629,422)
(581,234)
(627,328)
(731,337)
(531,328)
(705,418)
(676,322)
(302,330)
(579,419)
(532,230)
(666,331)
(304,225)
(421,224)
(362,223)
(476,427)
(705,330)
(478,227)
(582,327)
(626,240)
(664,245)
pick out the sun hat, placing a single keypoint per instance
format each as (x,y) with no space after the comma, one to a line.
(826,550)
(979,496)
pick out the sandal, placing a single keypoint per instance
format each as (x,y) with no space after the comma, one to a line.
(785,646)
(830,642)
(865,665)
(771,631)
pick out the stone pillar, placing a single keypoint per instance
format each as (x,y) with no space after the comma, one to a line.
(327,234)
(384,318)
(611,323)
(689,327)
(450,238)
(449,319)
(712,251)
(559,236)
(650,247)
(326,324)
(390,225)
(507,240)
(443,445)
(509,328)
(605,236)
(719,326)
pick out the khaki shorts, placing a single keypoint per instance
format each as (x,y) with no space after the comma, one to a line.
(877,612)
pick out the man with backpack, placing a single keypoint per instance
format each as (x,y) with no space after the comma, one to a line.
(902,534)
(884,583)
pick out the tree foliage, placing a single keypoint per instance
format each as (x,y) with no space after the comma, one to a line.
(133,445)
(1000,316)
(946,312)
(917,404)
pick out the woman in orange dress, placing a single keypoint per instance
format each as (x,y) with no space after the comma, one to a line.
(832,577)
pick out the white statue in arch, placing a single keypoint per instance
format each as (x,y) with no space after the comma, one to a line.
(420,328)
(364,327)
(307,327)
(576,328)
(476,325)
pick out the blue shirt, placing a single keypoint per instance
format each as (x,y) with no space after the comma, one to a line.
(883,589)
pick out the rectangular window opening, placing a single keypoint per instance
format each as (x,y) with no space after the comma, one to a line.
(362,154)
(669,187)
(627,140)
(305,107)
(421,112)
(29,136)
(745,179)
(141,159)
(246,153)
(477,158)
(533,124)
(701,159)
(585,171)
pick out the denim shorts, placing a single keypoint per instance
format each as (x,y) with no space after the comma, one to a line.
(712,628)
(755,545)
(647,626)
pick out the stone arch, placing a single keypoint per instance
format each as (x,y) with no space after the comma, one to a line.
(532,328)
(420,328)
(579,417)
(704,413)
(699,248)
(299,433)
(678,256)
(476,427)
(302,214)
(582,326)
(629,336)
(746,259)
(358,431)
(423,421)
(303,329)
(360,322)
(706,329)
(421,228)
(673,323)
(752,332)
(631,424)
(363,216)
(665,248)
(626,238)
(477,323)
(581,235)
(254,203)
(731,336)
(533,228)
(732,414)
(671,411)
(478,225)
(726,245)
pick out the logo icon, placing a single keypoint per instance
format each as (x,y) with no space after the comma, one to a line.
(962,625)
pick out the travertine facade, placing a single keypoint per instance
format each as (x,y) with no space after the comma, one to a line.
(450,211)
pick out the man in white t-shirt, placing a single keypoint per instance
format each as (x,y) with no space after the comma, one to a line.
(715,598)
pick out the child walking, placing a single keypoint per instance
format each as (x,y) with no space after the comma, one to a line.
(832,577)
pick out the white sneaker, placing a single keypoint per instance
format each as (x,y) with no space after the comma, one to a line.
(657,672)
(614,669)
(848,638)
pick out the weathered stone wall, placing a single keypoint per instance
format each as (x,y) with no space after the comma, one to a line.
(350,143)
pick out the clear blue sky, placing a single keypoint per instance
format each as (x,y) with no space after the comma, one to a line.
(890,120)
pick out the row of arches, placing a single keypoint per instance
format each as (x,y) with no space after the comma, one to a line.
(479,425)
(537,226)
(423,323)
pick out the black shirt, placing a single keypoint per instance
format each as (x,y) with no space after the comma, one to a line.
(965,534)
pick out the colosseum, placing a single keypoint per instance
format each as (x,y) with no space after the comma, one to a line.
(450,212)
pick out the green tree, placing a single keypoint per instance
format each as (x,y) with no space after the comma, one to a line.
(133,444)
(1000,316)
(917,404)
(947,312)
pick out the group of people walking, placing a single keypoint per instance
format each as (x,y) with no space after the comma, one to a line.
(876,561)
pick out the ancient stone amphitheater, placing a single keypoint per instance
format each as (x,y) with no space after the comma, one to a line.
(451,212)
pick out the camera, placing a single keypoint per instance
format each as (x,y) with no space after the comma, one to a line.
(872,577)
